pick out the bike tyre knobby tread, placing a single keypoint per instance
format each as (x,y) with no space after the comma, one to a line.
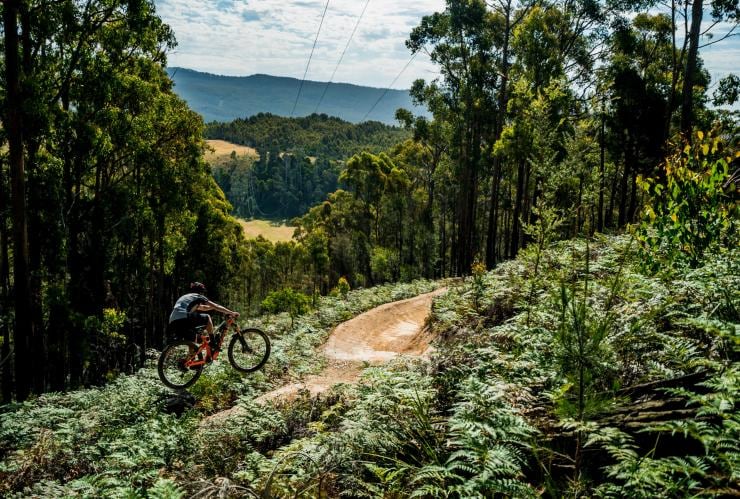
(160,365)
(253,334)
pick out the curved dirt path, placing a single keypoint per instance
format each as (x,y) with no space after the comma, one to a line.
(373,337)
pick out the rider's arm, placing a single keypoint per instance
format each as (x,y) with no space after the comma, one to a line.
(209,305)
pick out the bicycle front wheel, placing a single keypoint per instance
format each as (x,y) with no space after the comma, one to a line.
(249,349)
(171,366)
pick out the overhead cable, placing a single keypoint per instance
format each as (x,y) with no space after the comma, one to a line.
(389,87)
(309,59)
(323,94)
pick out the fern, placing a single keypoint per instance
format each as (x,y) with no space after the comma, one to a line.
(165,489)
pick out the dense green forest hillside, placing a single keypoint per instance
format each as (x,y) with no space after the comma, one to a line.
(571,175)
(299,163)
(224,98)
(320,136)
(109,210)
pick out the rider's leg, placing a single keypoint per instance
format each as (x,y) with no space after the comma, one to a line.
(209,326)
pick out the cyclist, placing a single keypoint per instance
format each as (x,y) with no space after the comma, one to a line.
(188,312)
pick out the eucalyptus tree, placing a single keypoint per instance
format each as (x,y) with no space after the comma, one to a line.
(638,85)
(430,153)
(552,50)
(462,41)
(507,15)
(13,118)
(117,190)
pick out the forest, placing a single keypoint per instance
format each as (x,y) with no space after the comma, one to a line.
(574,197)
(299,160)
(317,135)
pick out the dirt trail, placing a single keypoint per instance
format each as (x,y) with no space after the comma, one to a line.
(374,337)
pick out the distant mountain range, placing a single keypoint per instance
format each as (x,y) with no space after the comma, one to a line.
(224,98)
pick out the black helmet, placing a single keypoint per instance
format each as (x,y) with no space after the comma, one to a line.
(198,287)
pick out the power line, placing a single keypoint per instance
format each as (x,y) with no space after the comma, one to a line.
(309,58)
(326,87)
(389,86)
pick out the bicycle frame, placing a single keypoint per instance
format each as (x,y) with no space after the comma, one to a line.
(205,345)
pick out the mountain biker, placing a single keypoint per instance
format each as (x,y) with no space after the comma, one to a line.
(188,312)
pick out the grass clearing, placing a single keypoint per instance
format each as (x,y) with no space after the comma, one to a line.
(267,229)
(222,151)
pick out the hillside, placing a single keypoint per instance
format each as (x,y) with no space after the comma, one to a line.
(221,151)
(319,136)
(574,198)
(224,98)
(297,161)
(508,404)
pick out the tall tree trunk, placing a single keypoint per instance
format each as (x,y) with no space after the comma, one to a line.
(59,316)
(687,97)
(34,229)
(468,194)
(159,317)
(25,364)
(623,196)
(609,216)
(35,241)
(579,211)
(491,257)
(443,239)
(520,187)
(623,188)
(507,228)
(75,288)
(428,239)
(453,243)
(503,100)
(674,72)
(139,253)
(633,198)
(531,216)
(602,147)
(5,352)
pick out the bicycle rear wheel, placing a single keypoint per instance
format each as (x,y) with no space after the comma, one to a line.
(249,350)
(171,365)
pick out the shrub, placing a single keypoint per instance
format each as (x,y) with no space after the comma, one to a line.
(384,264)
(343,287)
(287,300)
(693,204)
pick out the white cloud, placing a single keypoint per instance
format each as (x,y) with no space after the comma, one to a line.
(238,37)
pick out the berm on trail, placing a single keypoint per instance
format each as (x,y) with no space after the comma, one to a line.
(371,338)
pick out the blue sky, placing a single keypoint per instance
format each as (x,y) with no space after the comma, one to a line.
(240,37)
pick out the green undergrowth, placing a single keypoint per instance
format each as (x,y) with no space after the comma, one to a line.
(542,384)
(117,441)
(563,346)
(524,394)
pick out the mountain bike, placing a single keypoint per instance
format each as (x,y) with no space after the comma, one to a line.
(181,362)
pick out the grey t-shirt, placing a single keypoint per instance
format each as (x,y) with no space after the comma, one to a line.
(185,304)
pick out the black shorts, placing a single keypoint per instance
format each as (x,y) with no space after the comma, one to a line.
(185,328)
